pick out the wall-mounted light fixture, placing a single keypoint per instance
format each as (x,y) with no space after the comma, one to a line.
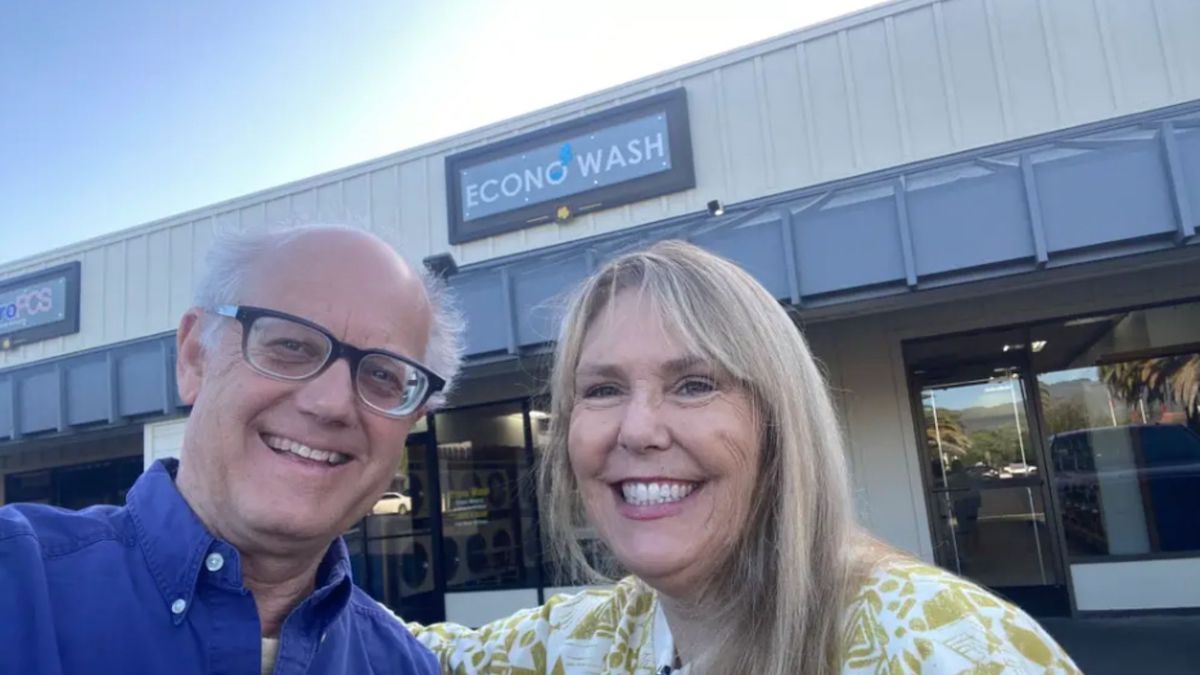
(716,208)
(441,264)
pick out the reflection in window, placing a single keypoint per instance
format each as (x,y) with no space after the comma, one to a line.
(977,434)
(391,549)
(1123,434)
(489,521)
(990,518)
(76,486)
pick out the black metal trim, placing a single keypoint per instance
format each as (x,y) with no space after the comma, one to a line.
(1131,613)
(1133,557)
(1053,320)
(1151,353)
(531,458)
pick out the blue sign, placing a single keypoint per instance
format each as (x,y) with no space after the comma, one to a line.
(625,154)
(39,306)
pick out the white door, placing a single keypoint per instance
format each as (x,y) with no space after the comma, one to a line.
(163,439)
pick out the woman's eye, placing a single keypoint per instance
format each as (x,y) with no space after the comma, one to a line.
(600,391)
(697,386)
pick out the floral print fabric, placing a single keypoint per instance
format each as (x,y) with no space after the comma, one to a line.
(907,618)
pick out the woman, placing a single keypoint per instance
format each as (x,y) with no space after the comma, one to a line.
(691,428)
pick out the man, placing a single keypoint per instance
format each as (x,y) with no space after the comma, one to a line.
(304,362)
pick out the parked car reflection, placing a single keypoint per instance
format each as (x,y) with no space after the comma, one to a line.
(1131,489)
(393,503)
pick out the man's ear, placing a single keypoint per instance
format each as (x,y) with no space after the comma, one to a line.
(189,359)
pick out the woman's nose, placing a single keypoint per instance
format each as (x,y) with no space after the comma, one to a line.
(643,427)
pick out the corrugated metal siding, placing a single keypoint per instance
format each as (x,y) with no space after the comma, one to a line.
(909,81)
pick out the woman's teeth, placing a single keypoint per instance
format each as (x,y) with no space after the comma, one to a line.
(642,494)
(282,444)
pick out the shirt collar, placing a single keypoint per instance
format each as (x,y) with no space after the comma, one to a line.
(176,545)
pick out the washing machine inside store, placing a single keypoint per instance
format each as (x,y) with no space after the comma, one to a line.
(502,554)
(415,562)
(454,561)
(500,489)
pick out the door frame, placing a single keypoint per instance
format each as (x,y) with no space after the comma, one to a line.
(1022,365)
(427,439)
(433,491)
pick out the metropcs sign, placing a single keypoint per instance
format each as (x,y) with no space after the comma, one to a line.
(629,153)
(39,306)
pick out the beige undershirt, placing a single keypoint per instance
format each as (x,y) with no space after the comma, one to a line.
(270,649)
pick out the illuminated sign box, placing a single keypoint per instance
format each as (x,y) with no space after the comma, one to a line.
(39,306)
(621,155)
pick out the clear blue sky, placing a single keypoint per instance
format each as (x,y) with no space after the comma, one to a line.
(117,113)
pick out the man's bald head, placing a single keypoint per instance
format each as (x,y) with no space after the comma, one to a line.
(238,262)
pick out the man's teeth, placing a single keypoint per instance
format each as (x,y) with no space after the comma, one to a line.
(287,445)
(641,494)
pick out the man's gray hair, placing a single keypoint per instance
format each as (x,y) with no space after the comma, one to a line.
(233,253)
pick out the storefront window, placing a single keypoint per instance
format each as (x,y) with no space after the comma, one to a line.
(1120,396)
(77,486)
(595,552)
(391,549)
(488,501)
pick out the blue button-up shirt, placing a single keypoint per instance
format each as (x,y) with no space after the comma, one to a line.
(146,589)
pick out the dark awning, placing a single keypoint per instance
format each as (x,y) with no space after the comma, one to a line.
(101,387)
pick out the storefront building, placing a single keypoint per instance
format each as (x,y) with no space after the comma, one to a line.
(983,214)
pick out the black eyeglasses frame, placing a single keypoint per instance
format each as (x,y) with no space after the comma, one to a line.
(246,315)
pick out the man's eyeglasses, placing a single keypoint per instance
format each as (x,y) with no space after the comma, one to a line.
(288,347)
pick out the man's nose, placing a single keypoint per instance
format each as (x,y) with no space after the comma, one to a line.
(329,397)
(643,428)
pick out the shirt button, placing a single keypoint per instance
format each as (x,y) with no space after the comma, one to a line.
(214,562)
(178,606)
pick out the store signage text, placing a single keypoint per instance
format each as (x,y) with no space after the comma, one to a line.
(466,508)
(39,306)
(633,152)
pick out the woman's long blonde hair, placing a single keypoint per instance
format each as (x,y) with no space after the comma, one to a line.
(781,595)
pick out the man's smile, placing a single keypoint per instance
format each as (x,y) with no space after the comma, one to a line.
(286,445)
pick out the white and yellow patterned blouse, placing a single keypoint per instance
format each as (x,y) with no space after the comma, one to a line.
(907,618)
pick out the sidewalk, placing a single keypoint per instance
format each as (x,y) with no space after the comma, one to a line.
(1154,645)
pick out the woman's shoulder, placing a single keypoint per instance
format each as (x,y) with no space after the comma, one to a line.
(917,617)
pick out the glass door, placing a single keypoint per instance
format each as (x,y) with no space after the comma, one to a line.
(394,547)
(992,517)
